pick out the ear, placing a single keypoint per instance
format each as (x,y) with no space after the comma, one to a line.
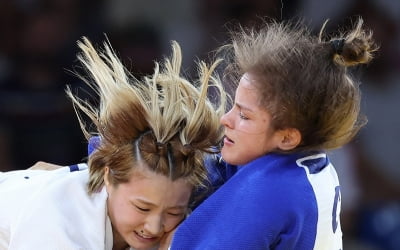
(290,138)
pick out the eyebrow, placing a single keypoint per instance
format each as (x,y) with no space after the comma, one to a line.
(240,106)
(148,203)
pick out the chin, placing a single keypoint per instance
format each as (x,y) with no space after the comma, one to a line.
(145,247)
(228,158)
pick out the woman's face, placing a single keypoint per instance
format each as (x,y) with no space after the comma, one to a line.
(145,208)
(248,130)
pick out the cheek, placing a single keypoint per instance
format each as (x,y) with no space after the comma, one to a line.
(248,134)
(171,222)
(120,212)
(242,128)
(255,143)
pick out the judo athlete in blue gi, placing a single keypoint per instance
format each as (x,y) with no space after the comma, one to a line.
(138,182)
(295,100)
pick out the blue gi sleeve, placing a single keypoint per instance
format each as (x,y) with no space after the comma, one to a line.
(218,172)
(94,143)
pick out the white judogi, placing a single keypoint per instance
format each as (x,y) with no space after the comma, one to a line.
(42,209)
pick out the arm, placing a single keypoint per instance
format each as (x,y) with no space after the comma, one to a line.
(218,172)
(40,165)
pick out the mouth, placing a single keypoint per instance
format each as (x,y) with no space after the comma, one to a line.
(228,140)
(145,237)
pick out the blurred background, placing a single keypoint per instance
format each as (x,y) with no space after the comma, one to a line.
(38,51)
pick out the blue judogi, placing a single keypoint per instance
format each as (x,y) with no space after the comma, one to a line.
(277,201)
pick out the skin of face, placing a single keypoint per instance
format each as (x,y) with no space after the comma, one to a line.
(142,210)
(248,130)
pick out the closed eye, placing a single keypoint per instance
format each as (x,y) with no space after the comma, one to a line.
(142,209)
(176,214)
(242,116)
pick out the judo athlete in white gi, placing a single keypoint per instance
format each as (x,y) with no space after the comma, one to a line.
(138,183)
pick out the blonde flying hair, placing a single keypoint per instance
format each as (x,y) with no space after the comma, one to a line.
(163,121)
(303,81)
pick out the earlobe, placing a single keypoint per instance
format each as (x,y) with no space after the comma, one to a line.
(105,178)
(290,139)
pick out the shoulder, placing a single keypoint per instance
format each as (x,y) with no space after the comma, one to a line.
(67,206)
(281,182)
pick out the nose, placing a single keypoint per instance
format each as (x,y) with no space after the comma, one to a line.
(225,119)
(154,224)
